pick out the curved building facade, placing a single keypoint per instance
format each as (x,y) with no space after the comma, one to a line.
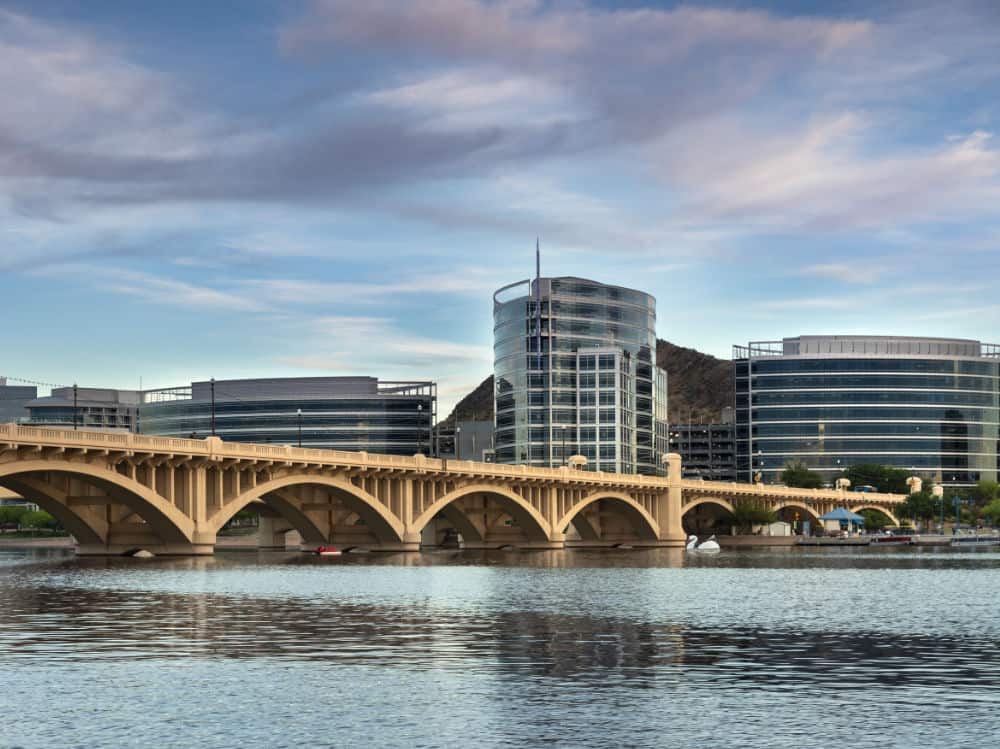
(341,413)
(930,406)
(575,373)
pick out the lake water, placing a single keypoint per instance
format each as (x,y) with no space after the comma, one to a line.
(783,648)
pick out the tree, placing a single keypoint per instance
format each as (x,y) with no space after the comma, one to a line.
(883,478)
(992,512)
(984,492)
(875,519)
(37,519)
(922,506)
(798,475)
(12,514)
(746,516)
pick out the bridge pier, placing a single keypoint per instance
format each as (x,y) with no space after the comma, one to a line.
(272,533)
(119,548)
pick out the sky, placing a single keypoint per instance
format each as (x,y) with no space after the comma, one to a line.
(330,187)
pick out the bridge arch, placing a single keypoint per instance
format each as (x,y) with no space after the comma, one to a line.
(385,525)
(637,515)
(723,503)
(527,517)
(53,501)
(880,508)
(165,520)
(779,506)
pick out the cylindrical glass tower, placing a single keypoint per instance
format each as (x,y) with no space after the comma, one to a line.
(927,405)
(577,373)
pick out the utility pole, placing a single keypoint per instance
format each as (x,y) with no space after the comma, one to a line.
(299,412)
(213,406)
(74,406)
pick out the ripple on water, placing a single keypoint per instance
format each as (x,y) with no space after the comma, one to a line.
(775,649)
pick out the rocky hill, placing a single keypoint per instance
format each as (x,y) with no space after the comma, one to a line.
(700,386)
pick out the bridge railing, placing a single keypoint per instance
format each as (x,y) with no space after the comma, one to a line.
(215,448)
(727,487)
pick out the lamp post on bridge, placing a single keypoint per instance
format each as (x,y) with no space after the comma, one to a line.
(458,442)
(299,414)
(420,428)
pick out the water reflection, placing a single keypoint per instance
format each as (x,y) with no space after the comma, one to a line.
(517,621)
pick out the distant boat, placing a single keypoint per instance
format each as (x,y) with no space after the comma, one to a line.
(327,551)
(890,539)
(963,541)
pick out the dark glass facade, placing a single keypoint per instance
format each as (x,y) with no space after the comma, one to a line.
(91,408)
(930,406)
(575,373)
(341,413)
(708,451)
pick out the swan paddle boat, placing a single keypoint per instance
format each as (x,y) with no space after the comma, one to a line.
(710,546)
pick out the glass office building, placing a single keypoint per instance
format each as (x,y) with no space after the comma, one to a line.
(342,413)
(575,373)
(926,405)
(101,409)
(13,399)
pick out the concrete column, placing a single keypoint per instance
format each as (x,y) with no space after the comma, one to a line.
(669,504)
(199,495)
(271,533)
(407,512)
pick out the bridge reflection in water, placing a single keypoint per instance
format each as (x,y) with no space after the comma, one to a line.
(187,609)
(646,648)
(118,492)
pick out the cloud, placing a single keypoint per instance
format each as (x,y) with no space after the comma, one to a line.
(821,178)
(849,273)
(358,344)
(474,91)
(458,280)
(157,290)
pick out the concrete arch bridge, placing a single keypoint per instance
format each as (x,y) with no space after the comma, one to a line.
(115,492)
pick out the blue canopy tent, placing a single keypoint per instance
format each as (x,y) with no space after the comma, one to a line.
(845,516)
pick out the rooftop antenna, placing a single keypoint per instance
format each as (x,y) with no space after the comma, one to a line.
(538,306)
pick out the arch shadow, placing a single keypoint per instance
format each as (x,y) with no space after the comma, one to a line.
(527,517)
(385,525)
(799,506)
(883,510)
(53,502)
(165,520)
(641,521)
(723,503)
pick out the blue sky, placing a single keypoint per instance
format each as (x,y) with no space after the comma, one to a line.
(195,189)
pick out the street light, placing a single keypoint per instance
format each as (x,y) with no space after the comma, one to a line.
(953,478)
(299,413)
(420,428)
(458,443)
(957,501)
